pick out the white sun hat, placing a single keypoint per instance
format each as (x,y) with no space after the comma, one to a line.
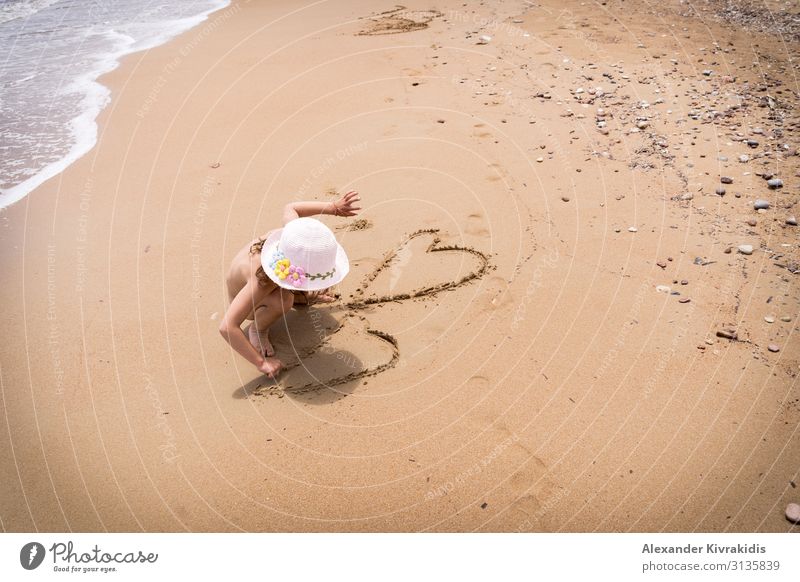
(304,256)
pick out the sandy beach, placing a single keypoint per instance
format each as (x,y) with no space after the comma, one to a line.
(565,311)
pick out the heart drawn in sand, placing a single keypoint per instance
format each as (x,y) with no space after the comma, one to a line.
(359,301)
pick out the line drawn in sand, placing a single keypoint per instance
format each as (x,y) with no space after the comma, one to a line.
(398,20)
(358,301)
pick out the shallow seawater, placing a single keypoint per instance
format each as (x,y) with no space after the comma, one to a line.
(52,52)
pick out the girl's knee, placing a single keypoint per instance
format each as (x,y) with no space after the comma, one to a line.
(286,300)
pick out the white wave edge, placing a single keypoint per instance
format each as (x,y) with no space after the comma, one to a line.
(83,127)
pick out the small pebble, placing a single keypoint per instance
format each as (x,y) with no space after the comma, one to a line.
(773,348)
(746,249)
(769,319)
(632,229)
(761,204)
(728,334)
(663,288)
(565,198)
(484,39)
(751,222)
(775,183)
(793,512)
(662,264)
(786,318)
(744,158)
(684,282)
(684,300)
(720,191)
(791,221)
(728,250)
(726,180)
(540,159)
(687,196)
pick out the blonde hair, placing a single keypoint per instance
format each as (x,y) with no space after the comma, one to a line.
(255,249)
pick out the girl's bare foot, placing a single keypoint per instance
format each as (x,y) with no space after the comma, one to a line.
(260,341)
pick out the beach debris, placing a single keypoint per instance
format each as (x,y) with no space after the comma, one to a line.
(484,39)
(761,204)
(662,289)
(793,512)
(791,221)
(775,183)
(726,180)
(745,249)
(773,348)
(702,262)
(633,229)
(769,319)
(728,333)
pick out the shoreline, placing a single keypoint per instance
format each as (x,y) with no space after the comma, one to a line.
(555,387)
(85,126)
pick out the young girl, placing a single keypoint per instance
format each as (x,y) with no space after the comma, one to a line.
(297,263)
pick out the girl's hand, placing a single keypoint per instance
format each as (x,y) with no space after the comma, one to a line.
(346,205)
(270,367)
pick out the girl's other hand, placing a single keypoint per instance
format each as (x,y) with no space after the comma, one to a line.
(346,205)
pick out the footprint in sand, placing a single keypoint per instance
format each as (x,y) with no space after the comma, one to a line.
(321,364)
(398,21)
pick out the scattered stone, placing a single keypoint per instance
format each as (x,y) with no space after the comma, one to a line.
(744,158)
(632,229)
(752,143)
(726,180)
(540,159)
(565,198)
(215,165)
(687,196)
(484,39)
(684,300)
(663,289)
(710,342)
(720,191)
(729,334)
(746,249)
(684,282)
(662,264)
(769,319)
(775,183)
(791,221)
(751,222)
(786,318)
(761,204)
(773,348)
(642,124)
(793,512)
(617,229)
(728,250)
(707,72)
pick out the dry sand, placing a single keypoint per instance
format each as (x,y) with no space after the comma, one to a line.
(501,359)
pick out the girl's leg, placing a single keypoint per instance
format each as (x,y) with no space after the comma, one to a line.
(277,303)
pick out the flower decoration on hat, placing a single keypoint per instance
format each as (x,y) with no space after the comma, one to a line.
(285,271)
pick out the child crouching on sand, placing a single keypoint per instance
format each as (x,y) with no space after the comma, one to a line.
(293,265)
